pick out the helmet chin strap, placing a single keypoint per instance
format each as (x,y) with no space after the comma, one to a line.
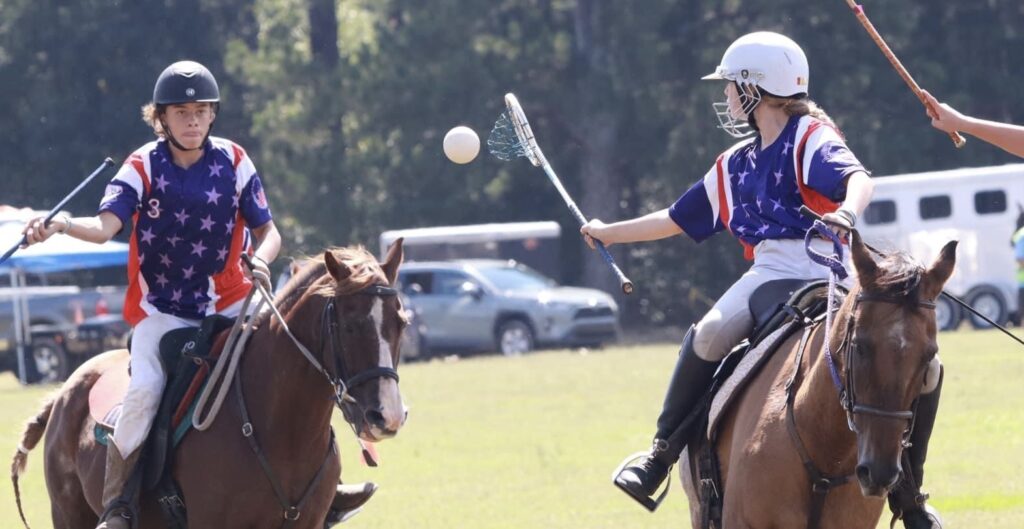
(170,137)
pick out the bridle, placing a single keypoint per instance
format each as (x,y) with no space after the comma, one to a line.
(342,381)
(821,483)
(847,391)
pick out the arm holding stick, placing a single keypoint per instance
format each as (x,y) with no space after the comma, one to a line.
(1006,136)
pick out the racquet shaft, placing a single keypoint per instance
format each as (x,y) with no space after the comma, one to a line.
(624,282)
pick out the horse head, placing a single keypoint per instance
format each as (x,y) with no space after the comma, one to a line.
(888,342)
(360,328)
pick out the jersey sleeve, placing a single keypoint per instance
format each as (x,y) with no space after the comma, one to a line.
(123,194)
(696,211)
(830,163)
(253,203)
(252,200)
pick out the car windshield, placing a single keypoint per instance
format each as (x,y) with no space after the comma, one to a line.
(518,278)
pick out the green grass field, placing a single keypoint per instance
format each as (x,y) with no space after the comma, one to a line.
(530,442)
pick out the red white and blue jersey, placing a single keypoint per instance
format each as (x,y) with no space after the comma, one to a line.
(756,193)
(189,228)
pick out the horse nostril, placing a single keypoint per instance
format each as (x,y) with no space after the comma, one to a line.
(863,474)
(375,417)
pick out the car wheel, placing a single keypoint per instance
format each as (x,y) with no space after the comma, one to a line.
(47,362)
(515,338)
(947,314)
(989,302)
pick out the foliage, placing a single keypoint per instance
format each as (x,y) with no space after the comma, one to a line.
(343,104)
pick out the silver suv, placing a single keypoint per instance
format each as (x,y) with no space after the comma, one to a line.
(489,305)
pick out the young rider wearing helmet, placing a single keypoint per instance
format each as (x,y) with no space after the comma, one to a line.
(188,198)
(1008,137)
(754,190)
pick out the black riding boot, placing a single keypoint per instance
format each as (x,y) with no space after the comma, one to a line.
(348,501)
(906,500)
(690,380)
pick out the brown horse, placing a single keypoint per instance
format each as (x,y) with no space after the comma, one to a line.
(883,337)
(342,308)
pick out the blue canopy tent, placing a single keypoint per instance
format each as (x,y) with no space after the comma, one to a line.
(60,253)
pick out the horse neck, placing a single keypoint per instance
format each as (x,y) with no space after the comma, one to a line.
(283,390)
(820,417)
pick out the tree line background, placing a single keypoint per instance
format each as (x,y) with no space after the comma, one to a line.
(343,104)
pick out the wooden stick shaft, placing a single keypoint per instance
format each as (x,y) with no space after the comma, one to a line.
(958,140)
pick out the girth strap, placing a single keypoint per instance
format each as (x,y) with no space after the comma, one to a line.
(821,484)
(290,512)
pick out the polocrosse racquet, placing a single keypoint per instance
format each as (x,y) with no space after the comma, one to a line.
(511,138)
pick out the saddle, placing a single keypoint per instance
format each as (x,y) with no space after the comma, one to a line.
(780,309)
(186,355)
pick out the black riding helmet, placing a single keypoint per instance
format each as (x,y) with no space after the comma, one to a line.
(185,82)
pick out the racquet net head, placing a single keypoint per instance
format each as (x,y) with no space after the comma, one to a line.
(503,141)
(512,137)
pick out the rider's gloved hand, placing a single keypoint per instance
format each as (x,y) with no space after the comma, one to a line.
(841,221)
(260,272)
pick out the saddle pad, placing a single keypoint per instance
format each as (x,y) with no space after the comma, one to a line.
(749,365)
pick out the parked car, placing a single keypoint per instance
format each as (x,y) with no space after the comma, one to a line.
(504,306)
(66,326)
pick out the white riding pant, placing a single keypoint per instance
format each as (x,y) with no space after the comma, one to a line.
(148,378)
(729,321)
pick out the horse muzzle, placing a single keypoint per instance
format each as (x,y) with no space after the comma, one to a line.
(381,423)
(878,479)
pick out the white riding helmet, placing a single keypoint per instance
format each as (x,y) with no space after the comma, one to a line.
(760,62)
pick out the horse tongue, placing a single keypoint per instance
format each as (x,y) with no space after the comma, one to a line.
(370,457)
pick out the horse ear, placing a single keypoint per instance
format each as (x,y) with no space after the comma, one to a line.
(393,260)
(338,270)
(293,268)
(867,269)
(937,275)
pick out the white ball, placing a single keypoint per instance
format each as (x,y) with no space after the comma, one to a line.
(461,145)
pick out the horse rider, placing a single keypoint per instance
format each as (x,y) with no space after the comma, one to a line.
(755,189)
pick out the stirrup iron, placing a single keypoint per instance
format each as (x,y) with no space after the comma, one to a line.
(649,503)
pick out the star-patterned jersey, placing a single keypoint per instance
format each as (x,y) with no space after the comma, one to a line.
(756,194)
(189,228)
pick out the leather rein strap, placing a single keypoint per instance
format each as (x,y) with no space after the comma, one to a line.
(821,484)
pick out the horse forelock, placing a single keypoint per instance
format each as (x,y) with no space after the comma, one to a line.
(899,276)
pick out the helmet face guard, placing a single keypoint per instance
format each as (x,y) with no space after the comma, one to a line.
(760,63)
(750,96)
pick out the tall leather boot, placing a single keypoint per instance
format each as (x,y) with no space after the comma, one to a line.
(906,501)
(348,501)
(118,469)
(690,380)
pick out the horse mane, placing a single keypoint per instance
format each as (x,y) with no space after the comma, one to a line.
(365,270)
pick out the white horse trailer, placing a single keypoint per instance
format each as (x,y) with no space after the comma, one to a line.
(977,206)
